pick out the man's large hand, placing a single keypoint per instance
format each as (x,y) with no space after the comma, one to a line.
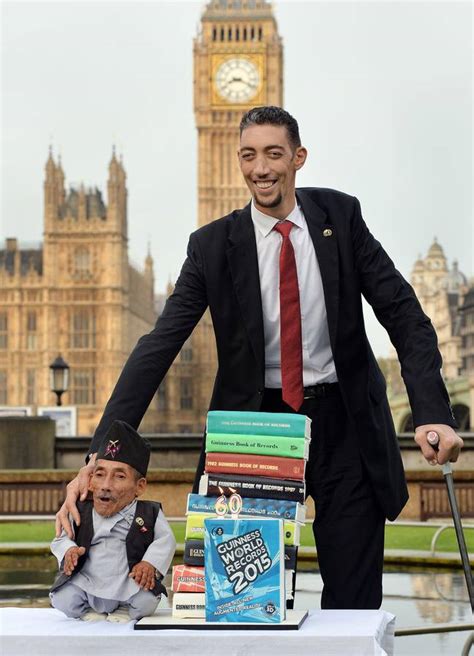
(449,445)
(78,487)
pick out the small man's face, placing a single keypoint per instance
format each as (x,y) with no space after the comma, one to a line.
(269,163)
(114,485)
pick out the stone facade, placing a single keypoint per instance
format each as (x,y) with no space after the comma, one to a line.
(77,295)
(440,291)
(231,35)
(444,295)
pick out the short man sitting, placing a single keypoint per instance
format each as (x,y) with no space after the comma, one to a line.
(122,547)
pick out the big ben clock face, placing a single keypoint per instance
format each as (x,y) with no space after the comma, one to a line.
(237,80)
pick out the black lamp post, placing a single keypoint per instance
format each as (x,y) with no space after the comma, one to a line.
(59,377)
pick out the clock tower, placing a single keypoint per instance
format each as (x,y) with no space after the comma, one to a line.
(237,65)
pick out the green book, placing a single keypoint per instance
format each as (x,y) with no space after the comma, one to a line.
(289,447)
(195,525)
(195,528)
(258,423)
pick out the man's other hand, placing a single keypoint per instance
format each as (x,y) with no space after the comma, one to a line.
(449,445)
(144,575)
(71,558)
(78,487)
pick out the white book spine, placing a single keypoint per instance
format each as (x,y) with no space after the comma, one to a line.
(189,604)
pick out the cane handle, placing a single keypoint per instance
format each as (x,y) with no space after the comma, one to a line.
(433,439)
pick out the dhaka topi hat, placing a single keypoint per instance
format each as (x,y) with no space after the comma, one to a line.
(122,443)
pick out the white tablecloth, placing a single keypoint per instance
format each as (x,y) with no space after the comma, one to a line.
(47,632)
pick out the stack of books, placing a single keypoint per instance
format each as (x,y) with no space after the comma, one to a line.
(261,457)
(188,587)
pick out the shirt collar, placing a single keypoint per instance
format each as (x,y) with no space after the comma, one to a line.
(265,223)
(128,510)
(127,513)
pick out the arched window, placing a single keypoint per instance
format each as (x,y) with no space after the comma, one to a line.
(186,393)
(83,386)
(31,334)
(3,330)
(82,329)
(187,352)
(82,261)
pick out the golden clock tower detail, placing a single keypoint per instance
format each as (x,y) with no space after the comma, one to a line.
(237,65)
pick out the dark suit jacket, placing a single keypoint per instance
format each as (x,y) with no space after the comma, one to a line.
(221,271)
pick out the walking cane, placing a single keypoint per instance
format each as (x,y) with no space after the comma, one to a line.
(433,439)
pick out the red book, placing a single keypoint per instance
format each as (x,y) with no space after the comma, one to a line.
(252,465)
(188,579)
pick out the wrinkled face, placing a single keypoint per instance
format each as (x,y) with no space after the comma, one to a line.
(269,163)
(114,485)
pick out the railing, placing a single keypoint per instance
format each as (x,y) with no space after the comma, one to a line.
(435,502)
(31,498)
(440,628)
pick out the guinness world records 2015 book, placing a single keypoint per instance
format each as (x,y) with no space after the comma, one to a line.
(245,570)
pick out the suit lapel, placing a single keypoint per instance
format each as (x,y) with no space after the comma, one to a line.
(324,237)
(243,263)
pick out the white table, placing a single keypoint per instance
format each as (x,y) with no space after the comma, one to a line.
(47,632)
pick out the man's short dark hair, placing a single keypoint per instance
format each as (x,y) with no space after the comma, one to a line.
(271,115)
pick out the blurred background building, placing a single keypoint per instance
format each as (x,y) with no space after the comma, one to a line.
(447,297)
(79,295)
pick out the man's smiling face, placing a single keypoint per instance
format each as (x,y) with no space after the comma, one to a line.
(269,163)
(114,485)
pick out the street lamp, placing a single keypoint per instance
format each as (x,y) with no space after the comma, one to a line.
(58,377)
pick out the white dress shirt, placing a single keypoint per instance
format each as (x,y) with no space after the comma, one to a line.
(318,362)
(105,571)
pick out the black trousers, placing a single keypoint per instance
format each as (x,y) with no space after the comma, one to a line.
(349,524)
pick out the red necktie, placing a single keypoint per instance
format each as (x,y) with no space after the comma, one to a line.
(290,322)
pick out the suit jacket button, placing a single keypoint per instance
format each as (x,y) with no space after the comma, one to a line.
(327,232)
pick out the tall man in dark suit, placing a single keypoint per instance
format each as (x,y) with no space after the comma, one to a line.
(283,279)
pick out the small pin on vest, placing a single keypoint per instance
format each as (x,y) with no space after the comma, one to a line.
(327,232)
(141,523)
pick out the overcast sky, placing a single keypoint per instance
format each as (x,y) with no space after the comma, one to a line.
(382,92)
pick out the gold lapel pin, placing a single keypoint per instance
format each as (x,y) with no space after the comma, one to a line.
(327,232)
(139,521)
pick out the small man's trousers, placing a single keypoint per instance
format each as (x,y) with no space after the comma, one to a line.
(74,602)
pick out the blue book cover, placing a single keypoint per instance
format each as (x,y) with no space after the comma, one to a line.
(245,570)
(271,508)
(258,423)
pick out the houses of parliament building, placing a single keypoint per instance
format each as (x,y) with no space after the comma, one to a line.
(79,296)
